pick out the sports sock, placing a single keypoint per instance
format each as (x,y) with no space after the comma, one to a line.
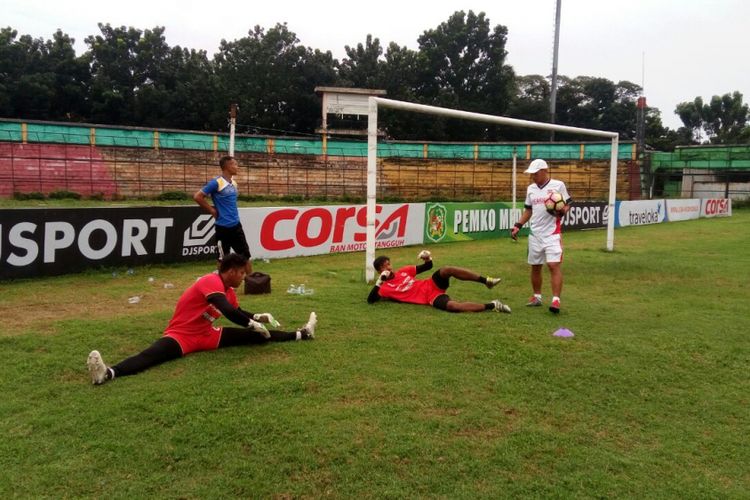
(538,296)
(488,306)
(555,297)
(483,280)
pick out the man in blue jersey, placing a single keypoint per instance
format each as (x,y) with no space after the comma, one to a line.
(223,193)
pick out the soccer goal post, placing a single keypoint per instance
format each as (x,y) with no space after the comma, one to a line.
(372,158)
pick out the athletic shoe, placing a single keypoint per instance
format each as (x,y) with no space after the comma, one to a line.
(555,306)
(491,282)
(308,331)
(500,307)
(97,369)
(534,301)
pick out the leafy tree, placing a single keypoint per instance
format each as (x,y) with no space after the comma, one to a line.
(41,79)
(115,75)
(724,120)
(363,65)
(272,79)
(462,65)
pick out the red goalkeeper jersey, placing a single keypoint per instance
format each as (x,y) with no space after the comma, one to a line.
(194,315)
(405,288)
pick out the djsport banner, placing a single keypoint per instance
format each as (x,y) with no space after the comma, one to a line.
(43,242)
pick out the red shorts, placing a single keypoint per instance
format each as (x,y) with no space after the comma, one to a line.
(194,343)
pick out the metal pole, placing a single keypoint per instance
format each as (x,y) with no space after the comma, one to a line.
(553,89)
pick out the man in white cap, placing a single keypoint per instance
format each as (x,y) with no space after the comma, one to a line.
(545,238)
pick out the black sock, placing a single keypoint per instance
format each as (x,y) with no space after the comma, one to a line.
(489,306)
(483,279)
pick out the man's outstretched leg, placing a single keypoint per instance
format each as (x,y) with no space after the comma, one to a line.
(467,275)
(244,336)
(495,305)
(164,349)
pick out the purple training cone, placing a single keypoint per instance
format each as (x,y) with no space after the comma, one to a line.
(563,332)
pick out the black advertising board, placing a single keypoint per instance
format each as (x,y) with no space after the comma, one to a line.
(52,241)
(586,215)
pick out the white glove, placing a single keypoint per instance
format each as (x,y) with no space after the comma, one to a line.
(383,276)
(266,318)
(425,255)
(259,327)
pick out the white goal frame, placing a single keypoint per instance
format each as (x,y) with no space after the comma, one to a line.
(372,158)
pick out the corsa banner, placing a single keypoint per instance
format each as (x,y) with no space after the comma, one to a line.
(293,231)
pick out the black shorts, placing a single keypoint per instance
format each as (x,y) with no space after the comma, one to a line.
(231,238)
(441,302)
(442,283)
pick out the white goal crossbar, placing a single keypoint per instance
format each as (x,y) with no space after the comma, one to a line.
(372,158)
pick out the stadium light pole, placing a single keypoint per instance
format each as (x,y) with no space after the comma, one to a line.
(372,151)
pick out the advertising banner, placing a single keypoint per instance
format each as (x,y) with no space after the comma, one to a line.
(586,215)
(716,207)
(39,242)
(639,213)
(678,210)
(445,222)
(293,231)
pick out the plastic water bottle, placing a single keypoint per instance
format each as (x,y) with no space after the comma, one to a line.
(168,285)
(302,290)
(134,300)
(292,289)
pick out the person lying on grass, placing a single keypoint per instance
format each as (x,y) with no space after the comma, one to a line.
(401,286)
(191,328)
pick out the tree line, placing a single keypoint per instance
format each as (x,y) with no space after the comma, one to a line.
(128,76)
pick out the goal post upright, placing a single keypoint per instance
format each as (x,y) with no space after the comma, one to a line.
(612,193)
(372,150)
(372,170)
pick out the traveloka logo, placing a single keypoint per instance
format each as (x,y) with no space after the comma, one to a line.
(436,222)
(196,237)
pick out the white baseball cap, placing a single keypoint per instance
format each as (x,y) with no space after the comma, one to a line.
(535,166)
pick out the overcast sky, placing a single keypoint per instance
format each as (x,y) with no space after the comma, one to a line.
(690,47)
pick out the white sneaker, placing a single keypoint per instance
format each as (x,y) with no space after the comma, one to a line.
(500,307)
(491,282)
(97,369)
(308,331)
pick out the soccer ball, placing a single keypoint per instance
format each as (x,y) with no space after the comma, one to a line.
(554,203)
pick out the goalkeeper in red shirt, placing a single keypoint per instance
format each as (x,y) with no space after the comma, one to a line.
(402,286)
(192,329)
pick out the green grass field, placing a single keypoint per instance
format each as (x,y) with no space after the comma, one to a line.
(650,399)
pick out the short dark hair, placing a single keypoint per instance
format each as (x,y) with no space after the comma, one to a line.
(224,160)
(232,261)
(379,262)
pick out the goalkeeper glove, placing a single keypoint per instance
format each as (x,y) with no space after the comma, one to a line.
(259,327)
(266,318)
(383,276)
(425,255)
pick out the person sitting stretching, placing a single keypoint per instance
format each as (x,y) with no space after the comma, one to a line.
(401,286)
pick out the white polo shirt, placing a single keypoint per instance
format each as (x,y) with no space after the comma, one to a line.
(542,223)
